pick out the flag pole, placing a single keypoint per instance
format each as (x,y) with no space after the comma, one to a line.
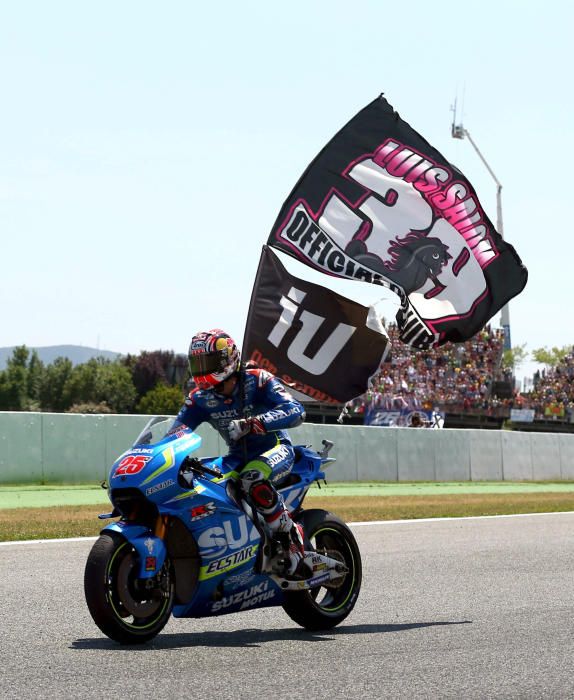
(242,363)
(252,298)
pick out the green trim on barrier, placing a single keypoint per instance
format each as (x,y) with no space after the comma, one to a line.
(30,496)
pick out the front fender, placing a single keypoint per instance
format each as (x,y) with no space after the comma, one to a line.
(149,547)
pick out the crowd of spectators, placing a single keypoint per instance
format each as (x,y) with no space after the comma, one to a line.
(461,378)
(552,395)
(453,377)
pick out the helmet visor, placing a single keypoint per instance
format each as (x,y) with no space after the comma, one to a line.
(208,363)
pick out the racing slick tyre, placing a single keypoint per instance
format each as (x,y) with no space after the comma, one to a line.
(124,612)
(327,605)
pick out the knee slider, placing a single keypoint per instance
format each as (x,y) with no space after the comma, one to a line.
(263,494)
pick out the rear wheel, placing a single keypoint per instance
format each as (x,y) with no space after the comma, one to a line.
(118,605)
(328,605)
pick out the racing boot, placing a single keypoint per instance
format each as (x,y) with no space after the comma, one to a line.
(289,536)
(286,536)
(297,553)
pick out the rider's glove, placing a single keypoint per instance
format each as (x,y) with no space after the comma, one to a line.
(239,428)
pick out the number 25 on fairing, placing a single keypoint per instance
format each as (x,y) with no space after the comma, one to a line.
(131,464)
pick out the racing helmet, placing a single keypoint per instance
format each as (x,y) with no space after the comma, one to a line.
(213,357)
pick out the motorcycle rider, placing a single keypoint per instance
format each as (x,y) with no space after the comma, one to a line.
(250,409)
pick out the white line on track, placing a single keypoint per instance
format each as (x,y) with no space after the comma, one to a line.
(468,517)
(412,521)
(66,539)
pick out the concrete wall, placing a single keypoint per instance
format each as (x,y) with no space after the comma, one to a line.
(70,448)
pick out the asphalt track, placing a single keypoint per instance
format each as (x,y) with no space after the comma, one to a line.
(463,608)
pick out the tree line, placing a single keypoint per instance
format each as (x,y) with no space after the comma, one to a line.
(514,357)
(151,383)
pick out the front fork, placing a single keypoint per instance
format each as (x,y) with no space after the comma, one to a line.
(149,545)
(153,558)
(160,529)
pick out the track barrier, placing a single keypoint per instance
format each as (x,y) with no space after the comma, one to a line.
(56,448)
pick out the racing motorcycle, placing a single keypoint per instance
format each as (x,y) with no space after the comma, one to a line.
(186,543)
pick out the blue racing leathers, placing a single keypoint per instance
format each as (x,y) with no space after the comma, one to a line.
(273,409)
(264,397)
(264,456)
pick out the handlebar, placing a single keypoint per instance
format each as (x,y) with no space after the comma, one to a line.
(196,466)
(327,445)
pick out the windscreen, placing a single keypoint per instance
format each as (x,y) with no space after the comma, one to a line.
(158,428)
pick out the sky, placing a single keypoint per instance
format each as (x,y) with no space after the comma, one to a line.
(146,149)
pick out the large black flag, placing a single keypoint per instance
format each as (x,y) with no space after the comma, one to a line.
(379,204)
(316,341)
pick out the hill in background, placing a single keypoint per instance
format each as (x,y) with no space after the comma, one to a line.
(77,354)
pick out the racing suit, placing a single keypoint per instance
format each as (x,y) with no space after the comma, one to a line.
(265,456)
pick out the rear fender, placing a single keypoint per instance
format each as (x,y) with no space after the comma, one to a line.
(150,548)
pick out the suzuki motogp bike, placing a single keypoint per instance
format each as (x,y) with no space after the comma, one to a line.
(186,543)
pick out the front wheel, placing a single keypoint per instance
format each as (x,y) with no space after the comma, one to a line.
(326,606)
(119,607)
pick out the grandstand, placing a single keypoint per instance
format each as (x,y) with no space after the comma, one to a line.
(552,396)
(468,383)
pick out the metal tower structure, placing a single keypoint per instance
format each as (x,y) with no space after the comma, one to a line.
(459,132)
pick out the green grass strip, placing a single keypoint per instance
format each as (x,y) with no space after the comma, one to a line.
(428,488)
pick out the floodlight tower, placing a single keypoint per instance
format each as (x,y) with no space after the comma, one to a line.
(459,132)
